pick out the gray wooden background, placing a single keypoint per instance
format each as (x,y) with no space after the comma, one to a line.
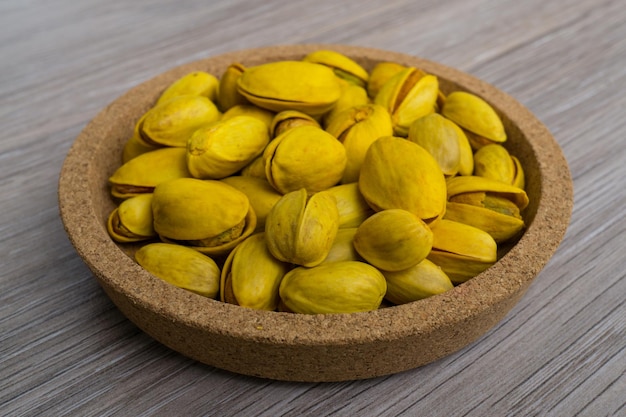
(66,350)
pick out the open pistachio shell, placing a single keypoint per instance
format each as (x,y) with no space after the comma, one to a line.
(500,226)
(337,287)
(291,85)
(440,138)
(416,283)
(397,173)
(407,96)
(181,266)
(301,230)
(252,284)
(357,128)
(304,157)
(462,251)
(197,83)
(393,240)
(131,221)
(260,193)
(228,94)
(222,148)
(343,66)
(172,122)
(474,184)
(210,216)
(475,115)
(353,209)
(141,174)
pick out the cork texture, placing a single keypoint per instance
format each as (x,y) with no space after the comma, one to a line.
(295,347)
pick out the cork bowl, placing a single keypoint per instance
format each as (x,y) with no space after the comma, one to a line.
(295,347)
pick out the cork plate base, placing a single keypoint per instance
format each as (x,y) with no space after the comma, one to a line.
(332,347)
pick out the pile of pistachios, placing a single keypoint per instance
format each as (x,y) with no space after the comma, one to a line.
(315,186)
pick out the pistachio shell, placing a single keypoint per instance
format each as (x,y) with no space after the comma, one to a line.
(304,157)
(343,247)
(357,128)
(416,283)
(131,221)
(289,119)
(252,284)
(228,93)
(407,96)
(352,207)
(475,115)
(494,161)
(141,174)
(291,85)
(351,96)
(519,179)
(172,122)
(301,230)
(210,216)
(263,115)
(475,184)
(501,227)
(338,287)
(393,240)
(380,74)
(344,67)
(135,147)
(181,266)
(222,148)
(260,193)
(397,173)
(197,83)
(466,154)
(462,251)
(440,138)
(256,168)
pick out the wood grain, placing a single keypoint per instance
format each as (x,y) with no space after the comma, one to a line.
(66,350)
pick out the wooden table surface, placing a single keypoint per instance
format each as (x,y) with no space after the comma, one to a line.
(66,350)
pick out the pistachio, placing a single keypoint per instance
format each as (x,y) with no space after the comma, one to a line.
(342,248)
(494,161)
(345,68)
(301,230)
(338,287)
(351,96)
(196,83)
(288,119)
(228,93)
(440,138)
(352,207)
(397,173)
(380,74)
(262,115)
(181,266)
(260,193)
(416,283)
(393,240)
(131,221)
(222,148)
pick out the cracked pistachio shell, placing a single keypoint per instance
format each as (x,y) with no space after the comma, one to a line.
(462,251)
(457,186)
(407,96)
(476,116)
(207,215)
(495,217)
(262,115)
(416,283)
(343,247)
(351,96)
(197,83)
(251,275)
(380,74)
(301,229)
(260,193)
(141,174)
(291,85)
(222,148)
(288,119)
(357,128)
(182,267)
(494,161)
(131,221)
(393,240)
(337,287)
(304,157)
(344,67)
(228,93)
(397,173)
(352,207)
(172,122)
(440,138)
